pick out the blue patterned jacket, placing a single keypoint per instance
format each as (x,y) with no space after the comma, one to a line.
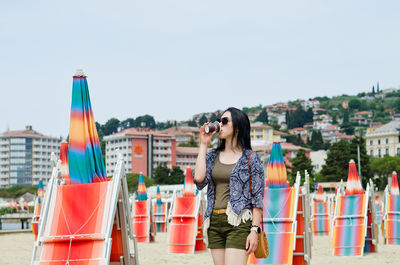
(239,189)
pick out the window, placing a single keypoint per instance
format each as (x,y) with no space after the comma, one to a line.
(398,151)
(387,140)
(387,151)
(379,152)
(379,141)
(371,142)
(371,153)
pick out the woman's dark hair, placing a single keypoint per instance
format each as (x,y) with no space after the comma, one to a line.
(241,128)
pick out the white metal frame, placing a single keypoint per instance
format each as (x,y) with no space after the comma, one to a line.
(364,215)
(116,197)
(197,209)
(293,220)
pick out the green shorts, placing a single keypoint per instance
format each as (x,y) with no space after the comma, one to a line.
(223,235)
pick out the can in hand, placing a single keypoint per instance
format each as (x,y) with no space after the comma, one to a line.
(213,126)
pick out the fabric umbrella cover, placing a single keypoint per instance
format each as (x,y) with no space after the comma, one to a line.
(353,185)
(320,194)
(394,186)
(40,189)
(64,163)
(276,169)
(189,189)
(85,160)
(159,201)
(142,194)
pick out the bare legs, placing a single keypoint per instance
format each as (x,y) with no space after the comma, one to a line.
(229,256)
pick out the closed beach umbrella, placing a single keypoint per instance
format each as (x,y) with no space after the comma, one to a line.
(394,186)
(40,189)
(276,169)
(142,193)
(85,160)
(159,201)
(320,194)
(64,163)
(189,189)
(353,185)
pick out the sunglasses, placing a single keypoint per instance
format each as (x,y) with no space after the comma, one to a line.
(224,120)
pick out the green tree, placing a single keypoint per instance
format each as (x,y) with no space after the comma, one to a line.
(177,176)
(161,174)
(301,163)
(354,104)
(317,142)
(17,191)
(334,120)
(145,121)
(213,117)
(346,126)
(203,120)
(111,126)
(336,163)
(132,180)
(263,117)
(382,168)
(128,123)
(192,123)
(297,118)
(309,116)
(165,176)
(287,119)
(364,158)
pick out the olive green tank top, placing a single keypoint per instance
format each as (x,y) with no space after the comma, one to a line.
(221,174)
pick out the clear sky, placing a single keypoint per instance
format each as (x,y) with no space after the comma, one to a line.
(173,59)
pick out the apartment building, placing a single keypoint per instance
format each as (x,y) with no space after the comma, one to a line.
(183,134)
(142,149)
(25,157)
(384,141)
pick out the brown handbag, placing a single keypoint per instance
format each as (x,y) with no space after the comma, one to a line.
(262,250)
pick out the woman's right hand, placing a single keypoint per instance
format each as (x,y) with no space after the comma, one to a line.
(205,138)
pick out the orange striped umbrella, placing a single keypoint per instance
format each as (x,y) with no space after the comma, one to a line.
(353,185)
(394,186)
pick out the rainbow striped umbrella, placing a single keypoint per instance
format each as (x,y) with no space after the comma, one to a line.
(64,163)
(320,194)
(353,185)
(394,186)
(142,194)
(158,195)
(40,189)
(276,169)
(85,160)
(189,189)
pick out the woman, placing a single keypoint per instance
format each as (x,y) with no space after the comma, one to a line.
(232,216)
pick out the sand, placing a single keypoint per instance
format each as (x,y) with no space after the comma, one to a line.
(16,249)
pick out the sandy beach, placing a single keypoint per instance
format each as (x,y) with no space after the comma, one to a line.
(16,249)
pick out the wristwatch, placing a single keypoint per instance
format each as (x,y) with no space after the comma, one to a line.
(256,228)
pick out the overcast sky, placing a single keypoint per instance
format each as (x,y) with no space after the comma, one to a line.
(173,59)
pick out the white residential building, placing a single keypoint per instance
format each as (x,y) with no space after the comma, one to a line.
(318,159)
(25,157)
(310,104)
(384,140)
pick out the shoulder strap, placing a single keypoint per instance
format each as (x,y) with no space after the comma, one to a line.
(248,165)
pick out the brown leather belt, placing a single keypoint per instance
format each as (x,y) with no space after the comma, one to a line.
(219,211)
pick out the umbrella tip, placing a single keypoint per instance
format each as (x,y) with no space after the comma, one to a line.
(79,72)
(351,161)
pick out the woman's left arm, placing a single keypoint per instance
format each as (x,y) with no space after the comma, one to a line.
(252,238)
(257,190)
